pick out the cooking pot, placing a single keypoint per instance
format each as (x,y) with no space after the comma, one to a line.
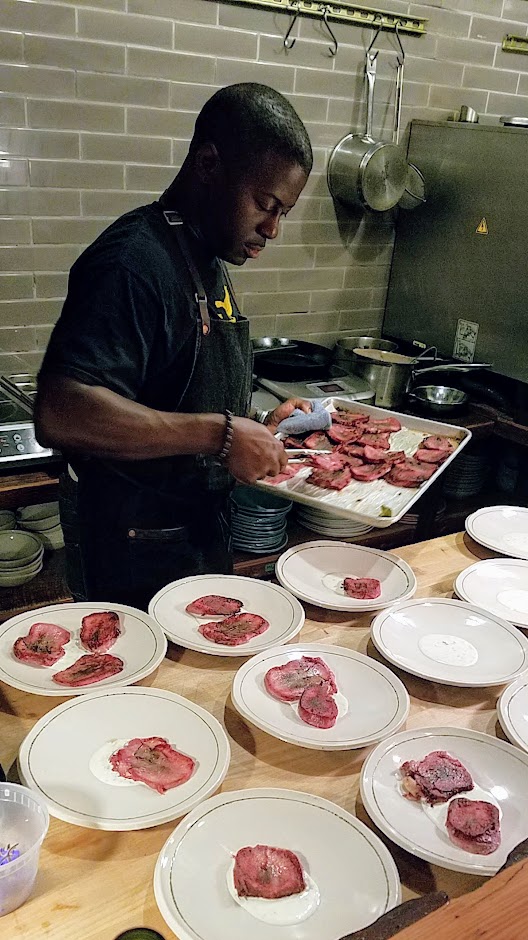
(365,171)
(387,373)
(296,361)
(343,353)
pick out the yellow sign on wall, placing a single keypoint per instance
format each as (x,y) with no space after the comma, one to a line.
(482,227)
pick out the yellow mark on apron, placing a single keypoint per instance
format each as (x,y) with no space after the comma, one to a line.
(226,305)
(482,227)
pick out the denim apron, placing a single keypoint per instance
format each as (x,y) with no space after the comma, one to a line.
(128,536)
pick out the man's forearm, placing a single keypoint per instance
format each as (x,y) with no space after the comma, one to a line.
(93,420)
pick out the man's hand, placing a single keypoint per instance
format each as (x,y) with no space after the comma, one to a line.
(285,410)
(254,453)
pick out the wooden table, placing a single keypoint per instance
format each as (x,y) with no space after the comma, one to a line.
(92,885)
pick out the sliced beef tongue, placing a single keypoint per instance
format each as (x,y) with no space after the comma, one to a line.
(369,472)
(375,439)
(288,682)
(331,479)
(262,871)
(474,825)
(328,461)
(43,645)
(344,435)
(348,418)
(351,450)
(425,455)
(362,589)
(409,473)
(90,668)
(317,706)
(436,442)
(385,424)
(100,630)
(317,441)
(214,604)
(287,473)
(435,779)
(152,761)
(234,630)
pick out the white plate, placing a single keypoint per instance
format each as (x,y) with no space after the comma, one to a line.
(315,572)
(378,703)
(141,646)
(283,612)
(355,874)
(512,709)
(54,758)
(503,529)
(450,642)
(496,767)
(499,585)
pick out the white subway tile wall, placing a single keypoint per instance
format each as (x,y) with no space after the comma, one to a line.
(97,104)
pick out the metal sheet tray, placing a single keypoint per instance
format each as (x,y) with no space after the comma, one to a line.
(362,502)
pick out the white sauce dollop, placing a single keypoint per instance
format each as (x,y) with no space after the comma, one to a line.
(450,650)
(101,767)
(280,912)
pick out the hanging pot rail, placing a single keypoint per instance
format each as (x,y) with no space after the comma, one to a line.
(343,12)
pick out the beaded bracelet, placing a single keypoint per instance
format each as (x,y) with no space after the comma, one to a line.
(228,439)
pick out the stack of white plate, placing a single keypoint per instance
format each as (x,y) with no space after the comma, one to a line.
(44,519)
(7,519)
(467,475)
(20,557)
(326,523)
(411,518)
(258,521)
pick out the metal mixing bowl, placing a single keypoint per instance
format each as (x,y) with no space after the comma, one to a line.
(439,399)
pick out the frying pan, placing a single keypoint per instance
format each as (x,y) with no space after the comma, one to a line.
(364,171)
(299,361)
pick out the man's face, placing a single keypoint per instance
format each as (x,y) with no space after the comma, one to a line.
(248,208)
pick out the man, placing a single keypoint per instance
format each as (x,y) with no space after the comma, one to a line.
(146,382)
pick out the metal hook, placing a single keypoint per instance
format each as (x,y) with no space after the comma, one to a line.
(376,34)
(286,43)
(332,49)
(402,50)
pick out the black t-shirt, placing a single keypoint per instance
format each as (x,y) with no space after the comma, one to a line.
(129,318)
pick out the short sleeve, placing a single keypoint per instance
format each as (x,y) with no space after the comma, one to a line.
(106,330)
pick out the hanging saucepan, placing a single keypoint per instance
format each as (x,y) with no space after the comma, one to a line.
(299,362)
(365,171)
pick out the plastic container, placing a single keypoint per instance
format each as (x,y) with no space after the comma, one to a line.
(24,821)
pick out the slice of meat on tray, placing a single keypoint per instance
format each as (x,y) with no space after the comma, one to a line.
(43,645)
(100,630)
(362,589)
(262,871)
(368,472)
(436,442)
(352,461)
(435,779)
(351,450)
(378,455)
(474,825)
(317,706)
(317,441)
(214,605)
(385,424)
(431,456)
(289,471)
(234,630)
(152,761)
(296,442)
(344,435)
(348,418)
(409,474)
(288,682)
(376,440)
(90,668)
(328,461)
(331,479)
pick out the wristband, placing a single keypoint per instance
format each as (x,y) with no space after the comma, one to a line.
(261,416)
(228,439)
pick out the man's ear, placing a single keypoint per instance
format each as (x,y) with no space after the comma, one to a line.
(208,164)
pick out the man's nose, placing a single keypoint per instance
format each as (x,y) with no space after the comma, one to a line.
(269,228)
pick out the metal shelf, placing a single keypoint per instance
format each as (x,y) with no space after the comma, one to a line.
(343,12)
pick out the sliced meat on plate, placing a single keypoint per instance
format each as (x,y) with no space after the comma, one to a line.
(431,456)
(348,418)
(262,871)
(99,631)
(328,461)
(234,630)
(214,604)
(289,471)
(43,645)
(317,706)
(435,779)
(474,825)
(409,474)
(317,441)
(331,479)
(376,440)
(369,472)
(152,761)
(344,435)
(436,442)
(288,682)
(362,589)
(90,668)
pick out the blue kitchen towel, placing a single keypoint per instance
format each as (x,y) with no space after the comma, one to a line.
(318,419)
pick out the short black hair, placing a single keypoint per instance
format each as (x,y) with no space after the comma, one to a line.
(248,120)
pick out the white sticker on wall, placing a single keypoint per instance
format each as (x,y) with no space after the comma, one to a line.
(465,340)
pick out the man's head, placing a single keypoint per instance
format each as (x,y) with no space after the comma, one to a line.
(250,156)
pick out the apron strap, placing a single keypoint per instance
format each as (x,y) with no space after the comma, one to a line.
(174,219)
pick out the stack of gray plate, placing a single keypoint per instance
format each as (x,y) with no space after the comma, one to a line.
(258,521)
(21,556)
(467,475)
(411,518)
(44,519)
(328,524)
